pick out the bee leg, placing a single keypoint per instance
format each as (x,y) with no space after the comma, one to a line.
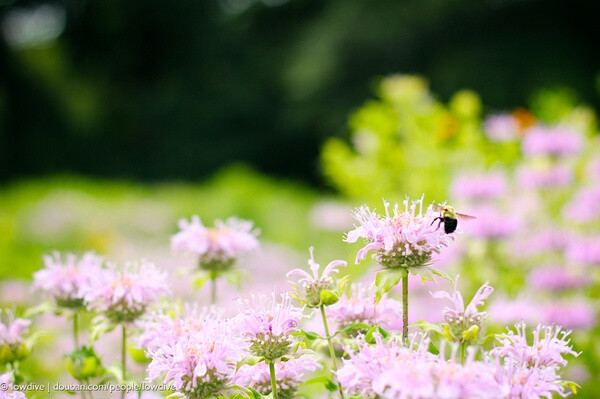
(440,219)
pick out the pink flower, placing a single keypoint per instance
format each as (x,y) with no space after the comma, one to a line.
(585,250)
(483,186)
(404,239)
(223,243)
(584,207)
(67,280)
(491,223)
(13,331)
(267,324)
(461,317)
(554,141)
(507,311)
(555,278)
(359,307)
(501,128)
(6,388)
(123,295)
(312,285)
(289,375)
(541,242)
(199,363)
(574,313)
(544,175)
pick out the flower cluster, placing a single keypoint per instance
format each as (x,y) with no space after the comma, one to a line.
(267,324)
(289,375)
(405,238)
(317,289)
(217,247)
(197,353)
(360,307)
(67,280)
(124,294)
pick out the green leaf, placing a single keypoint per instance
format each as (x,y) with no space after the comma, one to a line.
(201,280)
(442,274)
(342,283)
(471,334)
(572,385)
(100,325)
(376,329)
(387,279)
(354,326)
(426,326)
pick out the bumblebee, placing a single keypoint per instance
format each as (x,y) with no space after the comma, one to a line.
(449,217)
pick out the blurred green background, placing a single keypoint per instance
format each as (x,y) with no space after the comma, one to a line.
(158,90)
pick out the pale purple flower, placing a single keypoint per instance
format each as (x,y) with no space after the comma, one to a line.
(289,375)
(541,242)
(491,223)
(584,207)
(12,338)
(200,363)
(460,317)
(6,388)
(531,383)
(572,313)
(13,331)
(363,372)
(403,239)
(67,278)
(124,294)
(221,244)
(544,175)
(267,324)
(477,187)
(312,284)
(555,278)
(553,141)
(360,307)
(549,345)
(508,311)
(501,128)
(585,250)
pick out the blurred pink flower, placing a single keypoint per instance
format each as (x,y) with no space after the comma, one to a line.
(483,186)
(491,223)
(67,280)
(222,243)
(554,141)
(544,175)
(267,324)
(584,207)
(359,307)
(541,242)
(585,250)
(200,363)
(404,239)
(554,278)
(288,375)
(6,388)
(501,128)
(16,292)
(13,331)
(124,294)
(573,313)
(506,311)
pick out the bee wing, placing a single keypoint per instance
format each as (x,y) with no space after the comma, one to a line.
(462,216)
(438,207)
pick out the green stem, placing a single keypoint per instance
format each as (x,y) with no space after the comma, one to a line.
(405,310)
(213,289)
(76,329)
(87,381)
(124,358)
(331,351)
(273,380)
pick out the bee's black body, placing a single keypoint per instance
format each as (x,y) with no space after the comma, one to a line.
(450,225)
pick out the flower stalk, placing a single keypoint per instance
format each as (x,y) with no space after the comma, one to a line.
(273,379)
(405,310)
(331,351)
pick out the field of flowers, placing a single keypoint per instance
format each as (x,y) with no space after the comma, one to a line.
(247,287)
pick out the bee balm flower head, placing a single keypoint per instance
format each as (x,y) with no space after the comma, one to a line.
(405,238)
(267,324)
(12,337)
(217,247)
